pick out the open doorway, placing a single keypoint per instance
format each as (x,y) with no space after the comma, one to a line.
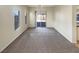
(41,17)
(77,25)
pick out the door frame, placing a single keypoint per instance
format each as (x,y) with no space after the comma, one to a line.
(36,16)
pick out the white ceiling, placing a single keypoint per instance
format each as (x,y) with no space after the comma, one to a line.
(41,5)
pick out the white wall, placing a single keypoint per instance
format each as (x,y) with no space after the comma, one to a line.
(7,32)
(32,17)
(50,16)
(49,21)
(63,21)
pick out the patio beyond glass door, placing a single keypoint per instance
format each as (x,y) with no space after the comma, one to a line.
(41,19)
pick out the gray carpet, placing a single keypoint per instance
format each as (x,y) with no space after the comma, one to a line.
(41,40)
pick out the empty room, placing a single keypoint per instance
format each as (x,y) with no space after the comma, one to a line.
(39,28)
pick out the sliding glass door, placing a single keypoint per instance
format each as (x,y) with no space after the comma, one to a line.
(41,19)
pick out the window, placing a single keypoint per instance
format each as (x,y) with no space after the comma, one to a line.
(26,18)
(16,19)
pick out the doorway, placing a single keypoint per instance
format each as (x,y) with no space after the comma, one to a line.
(41,17)
(77,25)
